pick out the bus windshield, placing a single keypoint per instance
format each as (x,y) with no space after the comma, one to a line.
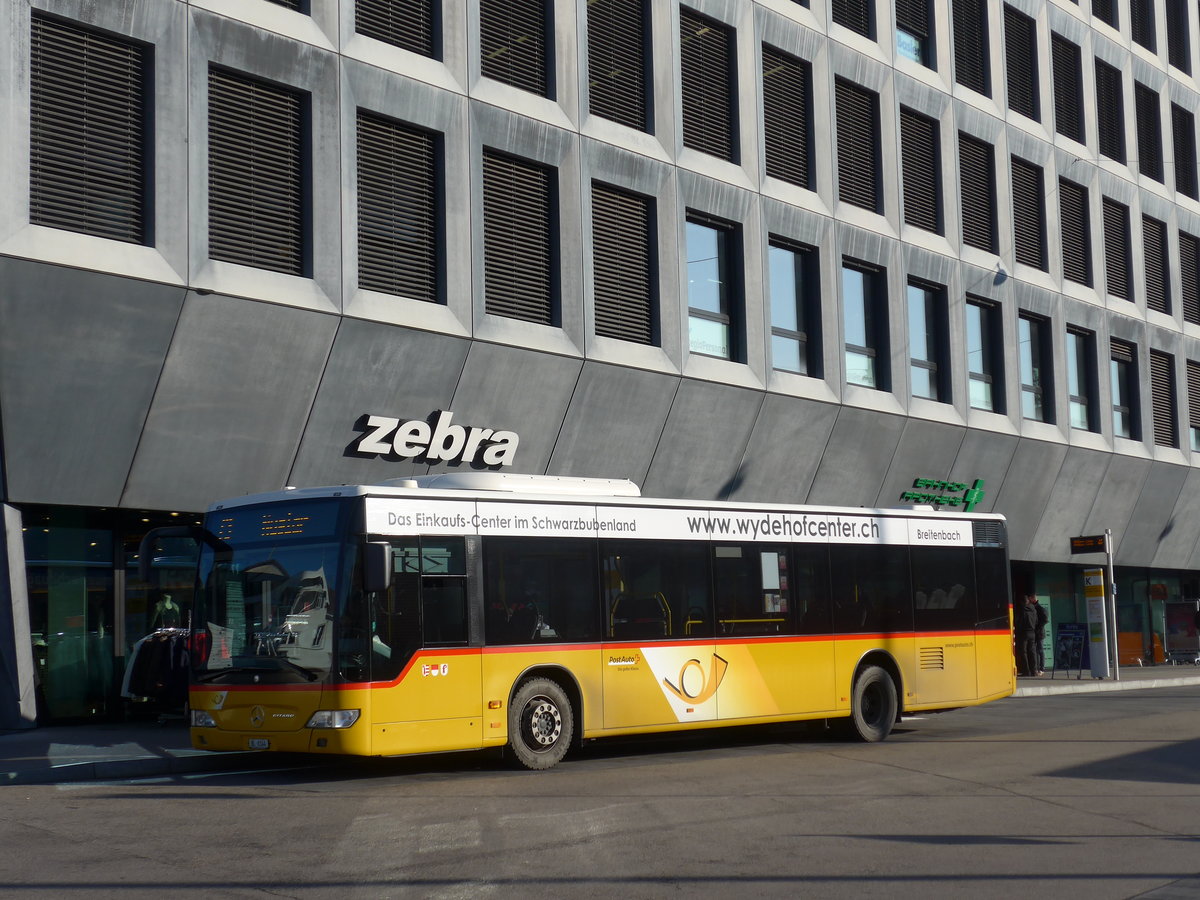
(266,606)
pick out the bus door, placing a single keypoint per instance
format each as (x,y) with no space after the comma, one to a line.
(944,619)
(419,650)
(659,658)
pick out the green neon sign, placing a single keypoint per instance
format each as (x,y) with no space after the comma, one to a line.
(935,492)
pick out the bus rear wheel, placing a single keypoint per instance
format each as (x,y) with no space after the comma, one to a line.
(873,705)
(541,723)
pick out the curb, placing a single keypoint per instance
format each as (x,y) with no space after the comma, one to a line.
(1095,686)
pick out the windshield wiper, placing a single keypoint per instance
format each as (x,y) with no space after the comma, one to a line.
(215,674)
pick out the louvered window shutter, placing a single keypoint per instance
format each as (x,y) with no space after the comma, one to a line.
(89,136)
(854,14)
(1029,214)
(858,145)
(919,157)
(1193,384)
(1105,11)
(786,116)
(1183,136)
(397,209)
(290,4)
(1110,111)
(1020,52)
(1116,248)
(617,78)
(1189,277)
(257,174)
(1158,276)
(1178,48)
(408,24)
(977,187)
(519,250)
(1068,102)
(1072,202)
(970,44)
(513,43)
(1141,22)
(623,264)
(706,68)
(1162,395)
(1149,135)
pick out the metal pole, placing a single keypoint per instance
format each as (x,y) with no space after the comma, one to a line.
(1112,603)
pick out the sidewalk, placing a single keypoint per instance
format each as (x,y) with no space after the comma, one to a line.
(98,751)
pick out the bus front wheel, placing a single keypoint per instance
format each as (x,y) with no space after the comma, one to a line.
(873,707)
(541,723)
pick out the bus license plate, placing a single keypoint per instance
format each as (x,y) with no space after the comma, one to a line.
(259,744)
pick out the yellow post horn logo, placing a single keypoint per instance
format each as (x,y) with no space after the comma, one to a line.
(708,685)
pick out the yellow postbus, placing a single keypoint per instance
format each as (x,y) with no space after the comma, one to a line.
(481,610)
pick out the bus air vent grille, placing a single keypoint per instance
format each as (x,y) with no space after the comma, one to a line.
(933,658)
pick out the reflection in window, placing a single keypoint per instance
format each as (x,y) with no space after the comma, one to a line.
(1033,376)
(1079,356)
(1123,393)
(710,288)
(925,341)
(865,327)
(981,356)
(790,292)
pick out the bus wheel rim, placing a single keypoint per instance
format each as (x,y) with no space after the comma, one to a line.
(543,723)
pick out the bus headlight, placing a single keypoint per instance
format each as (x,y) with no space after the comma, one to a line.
(333,718)
(201,719)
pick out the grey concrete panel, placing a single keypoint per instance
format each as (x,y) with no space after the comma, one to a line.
(1117,497)
(517,390)
(1070,503)
(1023,492)
(704,441)
(80,354)
(1177,542)
(613,423)
(987,455)
(382,370)
(232,401)
(857,457)
(1154,516)
(926,450)
(785,449)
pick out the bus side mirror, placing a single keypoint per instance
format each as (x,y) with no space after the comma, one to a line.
(151,538)
(377,566)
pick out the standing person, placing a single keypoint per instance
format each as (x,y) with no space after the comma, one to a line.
(1025,628)
(1039,631)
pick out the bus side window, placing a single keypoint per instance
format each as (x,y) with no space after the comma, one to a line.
(810,589)
(656,589)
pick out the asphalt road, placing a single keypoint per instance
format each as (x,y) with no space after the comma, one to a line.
(1089,796)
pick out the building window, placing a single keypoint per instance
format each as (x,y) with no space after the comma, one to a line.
(1076,248)
(1110,111)
(864,308)
(971,44)
(714,287)
(787,116)
(707,63)
(1105,11)
(399,186)
(1178,49)
(623,264)
(977,187)
(927,342)
(984,356)
(408,24)
(1141,23)
(1068,95)
(258,179)
(858,146)
(795,315)
(1189,277)
(920,171)
(89,148)
(857,15)
(1081,364)
(289,4)
(514,45)
(1029,214)
(520,253)
(618,36)
(1193,386)
(1122,370)
(1149,132)
(1158,273)
(914,36)
(1116,248)
(1183,137)
(1020,54)
(1162,398)
(1033,336)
